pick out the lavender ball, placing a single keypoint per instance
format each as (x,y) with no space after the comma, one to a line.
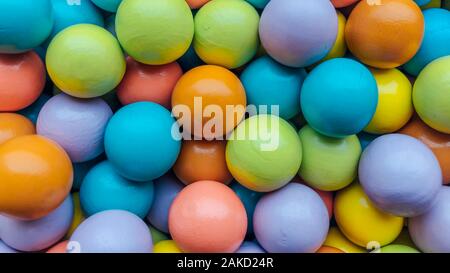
(429,231)
(37,234)
(112,231)
(6,249)
(250,247)
(78,125)
(166,189)
(298,33)
(293,219)
(400,175)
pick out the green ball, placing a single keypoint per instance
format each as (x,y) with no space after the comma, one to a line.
(226,33)
(431,95)
(264,153)
(329,164)
(157,235)
(155,32)
(85,61)
(398,249)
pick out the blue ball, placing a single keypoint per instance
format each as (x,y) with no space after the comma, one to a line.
(436,41)
(365,139)
(339,97)
(249,198)
(24,24)
(167,188)
(268,83)
(142,141)
(66,14)
(108,5)
(422,2)
(190,59)
(104,189)
(80,170)
(259,4)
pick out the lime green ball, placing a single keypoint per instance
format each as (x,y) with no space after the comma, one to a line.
(157,236)
(226,33)
(398,249)
(431,95)
(85,61)
(328,164)
(155,32)
(264,153)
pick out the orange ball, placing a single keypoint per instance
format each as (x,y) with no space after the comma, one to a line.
(59,248)
(22,79)
(14,125)
(207,216)
(205,92)
(153,83)
(202,160)
(196,4)
(343,3)
(329,249)
(36,176)
(438,142)
(385,35)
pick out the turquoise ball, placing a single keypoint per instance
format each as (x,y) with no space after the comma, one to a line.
(259,4)
(104,189)
(108,5)
(435,43)
(249,199)
(339,97)
(142,141)
(24,24)
(268,83)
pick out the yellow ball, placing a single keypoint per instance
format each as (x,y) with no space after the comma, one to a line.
(340,47)
(166,246)
(336,239)
(395,105)
(78,215)
(361,222)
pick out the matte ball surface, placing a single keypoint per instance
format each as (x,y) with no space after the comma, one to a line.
(142,141)
(283,217)
(250,247)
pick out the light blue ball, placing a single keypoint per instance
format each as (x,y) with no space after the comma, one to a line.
(104,189)
(436,41)
(142,141)
(249,198)
(339,97)
(268,83)
(68,13)
(24,24)
(259,4)
(108,5)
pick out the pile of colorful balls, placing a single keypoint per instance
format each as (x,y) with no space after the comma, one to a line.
(243,126)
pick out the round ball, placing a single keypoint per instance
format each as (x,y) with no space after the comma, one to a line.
(250,248)
(431,97)
(85,61)
(337,240)
(157,235)
(142,141)
(329,249)
(104,189)
(395,106)
(363,223)
(226,33)
(22,79)
(393,248)
(59,248)
(343,3)
(155,32)
(202,160)
(37,234)
(339,97)
(264,153)
(196,225)
(36,177)
(340,47)
(283,217)
(438,142)
(328,164)
(66,14)
(5,249)
(112,231)
(424,229)
(166,246)
(268,83)
(25,24)
(148,83)
(293,35)
(249,199)
(386,35)
(259,4)
(208,86)
(14,125)
(108,5)
(75,124)
(400,175)
(167,188)
(78,214)
(435,41)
